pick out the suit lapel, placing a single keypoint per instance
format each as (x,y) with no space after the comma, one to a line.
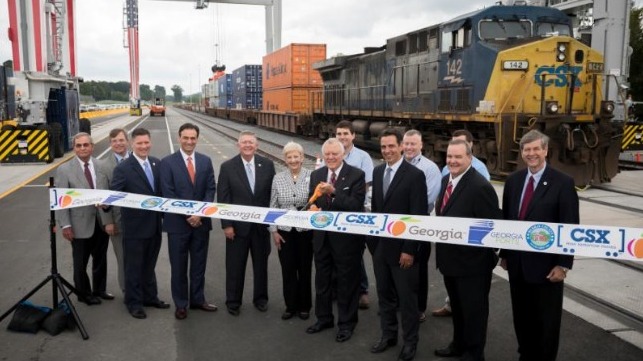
(341,177)
(260,172)
(462,184)
(443,188)
(138,169)
(79,173)
(378,182)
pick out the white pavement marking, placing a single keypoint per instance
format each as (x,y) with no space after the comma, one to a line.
(169,136)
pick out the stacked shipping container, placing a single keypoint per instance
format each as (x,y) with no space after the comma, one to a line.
(224,92)
(246,84)
(289,79)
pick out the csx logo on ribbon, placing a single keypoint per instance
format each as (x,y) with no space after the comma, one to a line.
(360,218)
(590,235)
(559,77)
(183,204)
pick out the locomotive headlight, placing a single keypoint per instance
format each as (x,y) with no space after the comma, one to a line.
(607,107)
(561,52)
(552,107)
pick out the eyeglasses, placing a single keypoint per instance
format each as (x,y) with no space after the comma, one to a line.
(83,145)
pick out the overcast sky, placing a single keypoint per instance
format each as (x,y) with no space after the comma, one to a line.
(177,42)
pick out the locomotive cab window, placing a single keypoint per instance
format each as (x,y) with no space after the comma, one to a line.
(458,39)
(544,28)
(498,29)
(400,48)
(447,41)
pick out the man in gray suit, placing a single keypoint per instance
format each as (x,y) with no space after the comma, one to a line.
(85,227)
(118,143)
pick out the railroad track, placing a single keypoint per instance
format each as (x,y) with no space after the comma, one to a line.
(268,148)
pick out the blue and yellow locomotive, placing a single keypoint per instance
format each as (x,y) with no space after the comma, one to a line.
(498,72)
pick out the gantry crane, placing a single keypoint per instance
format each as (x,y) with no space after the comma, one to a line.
(273,17)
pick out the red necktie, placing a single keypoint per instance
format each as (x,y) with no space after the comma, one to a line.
(333,178)
(526,198)
(447,195)
(191,171)
(88,176)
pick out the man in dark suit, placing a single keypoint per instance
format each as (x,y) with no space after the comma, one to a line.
(246,180)
(343,189)
(118,143)
(538,193)
(189,175)
(85,227)
(141,228)
(467,270)
(400,188)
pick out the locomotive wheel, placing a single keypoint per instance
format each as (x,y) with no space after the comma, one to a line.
(492,163)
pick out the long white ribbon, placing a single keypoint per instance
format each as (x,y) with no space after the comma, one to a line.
(579,240)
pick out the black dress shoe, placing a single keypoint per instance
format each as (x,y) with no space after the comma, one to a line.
(104,295)
(261,307)
(208,307)
(287,315)
(318,327)
(382,344)
(138,313)
(304,315)
(234,311)
(343,335)
(181,314)
(157,304)
(407,353)
(90,300)
(448,351)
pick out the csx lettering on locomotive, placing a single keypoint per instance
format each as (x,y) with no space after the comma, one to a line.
(558,76)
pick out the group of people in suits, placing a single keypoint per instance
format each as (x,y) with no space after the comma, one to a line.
(536,279)
(136,233)
(400,185)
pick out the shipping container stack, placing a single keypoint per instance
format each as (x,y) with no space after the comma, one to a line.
(289,78)
(224,92)
(246,87)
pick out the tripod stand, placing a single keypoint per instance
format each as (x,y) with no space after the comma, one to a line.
(58,282)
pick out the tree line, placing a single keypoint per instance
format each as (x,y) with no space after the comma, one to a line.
(118,91)
(96,91)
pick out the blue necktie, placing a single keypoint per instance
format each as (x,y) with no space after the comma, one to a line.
(251,177)
(148,173)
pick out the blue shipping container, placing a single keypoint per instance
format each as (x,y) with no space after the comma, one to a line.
(247,100)
(224,85)
(247,79)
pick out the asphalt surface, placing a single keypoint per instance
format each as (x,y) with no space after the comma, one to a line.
(115,335)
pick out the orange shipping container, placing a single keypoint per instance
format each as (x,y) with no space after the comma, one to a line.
(291,100)
(292,66)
